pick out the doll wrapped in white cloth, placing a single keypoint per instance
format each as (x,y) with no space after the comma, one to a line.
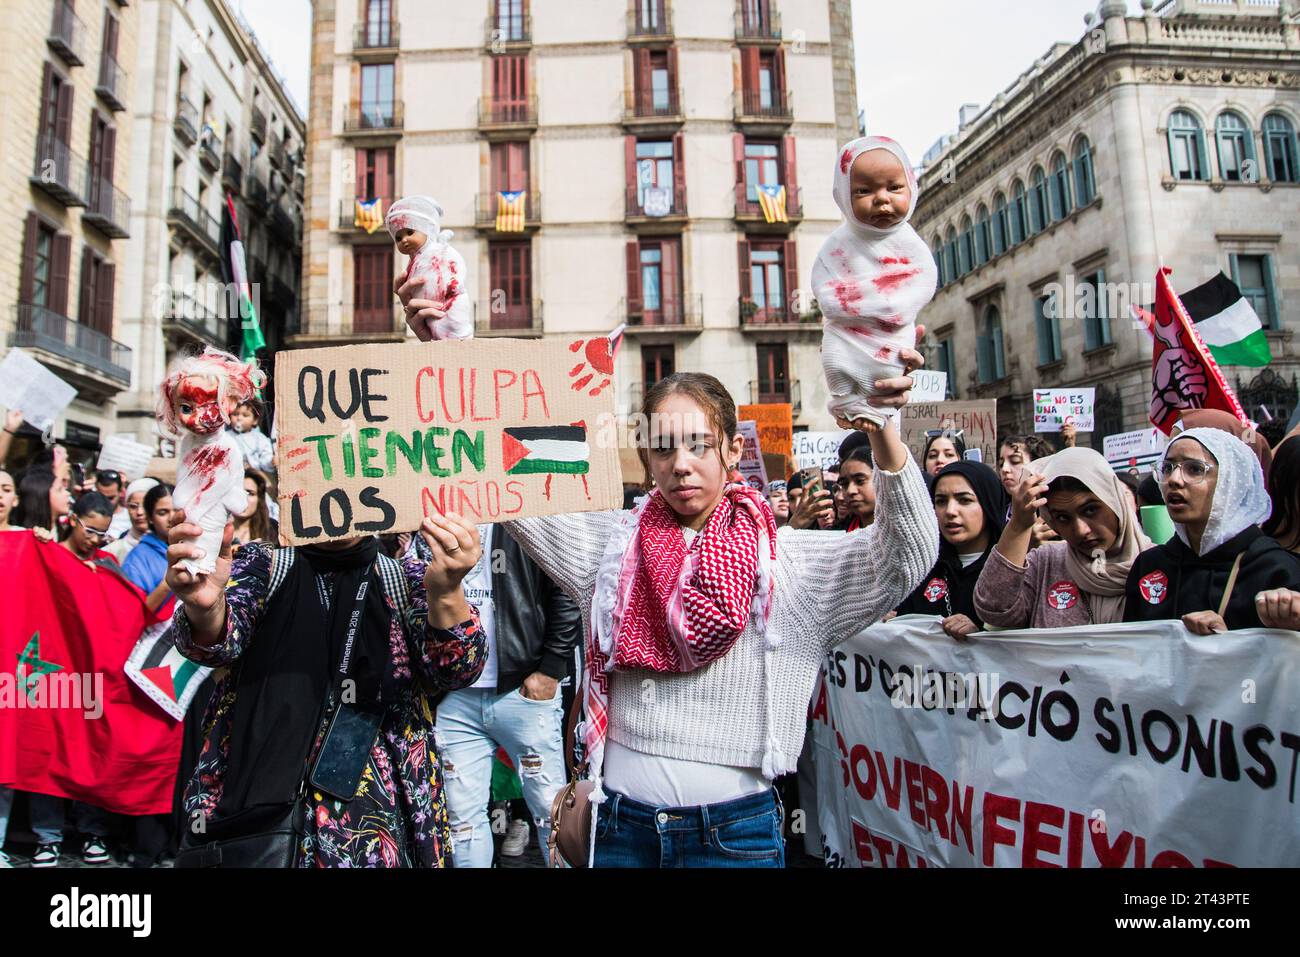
(872,277)
(195,403)
(415,223)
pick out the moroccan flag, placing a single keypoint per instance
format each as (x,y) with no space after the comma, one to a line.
(234,272)
(510,211)
(772,201)
(71,723)
(369,216)
(1227,322)
(1184,374)
(557,449)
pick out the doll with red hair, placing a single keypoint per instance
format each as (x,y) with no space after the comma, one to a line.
(195,403)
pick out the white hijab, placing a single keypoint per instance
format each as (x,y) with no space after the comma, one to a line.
(1240,499)
(843,187)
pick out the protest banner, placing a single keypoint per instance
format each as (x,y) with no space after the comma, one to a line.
(34,390)
(122,453)
(1054,408)
(977,421)
(373,438)
(928,386)
(821,449)
(1132,745)
(751,466)
(1135,450)
(775,430)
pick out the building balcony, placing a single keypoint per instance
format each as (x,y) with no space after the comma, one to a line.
(275,152)
(507,119)
(376,37)
(108,209)
(67,36)
(373,119)
(650,210)
(646,24)
(85,352)
(763,108)
(683,314)
(194,223)
(232,173)
(504,34)
(111,87)
(519,320)
(210,150)
(346,323)
(776,318)
(186,316)
(749,213)
(257,125)
(281,293)
(347,221)
(59,172)
(282,226)
(763,29)
(186,122)
(489,204)
(256,194)
(776,391)
(651,110)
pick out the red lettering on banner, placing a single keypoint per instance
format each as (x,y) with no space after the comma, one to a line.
(473,400)
(1035,839)
(419,399)
(891,790)
(961,816)
(1171,859)
(861,755)
(515,488)
(1074,845)
(1109,855)
(429,504)
(819,709)
(996,806)
(442,391)
(936,800)
(884,848)
(862,843)
(912,775)
(497,386)
(534,392)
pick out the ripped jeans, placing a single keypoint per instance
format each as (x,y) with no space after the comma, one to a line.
(472,724)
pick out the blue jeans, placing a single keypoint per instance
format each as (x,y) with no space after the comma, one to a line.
(6,805)
(472,724)
(47,814)
(746,832)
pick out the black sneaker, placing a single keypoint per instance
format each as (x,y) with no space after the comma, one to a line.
(94,851)
(47,855)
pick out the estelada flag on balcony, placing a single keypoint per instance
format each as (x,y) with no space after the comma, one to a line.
(1184,374)
(556,449)
(510,211)
(71,723)
(771,199)
(234,272)
(369,215)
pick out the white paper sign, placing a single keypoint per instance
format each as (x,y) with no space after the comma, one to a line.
(929,386)
(751,459)
(817,448)
(37,392)
(1134,449)
(122,453)
(1054,408)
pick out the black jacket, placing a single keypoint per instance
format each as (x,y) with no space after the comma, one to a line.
(536,626)
(1170,581)
(948,586)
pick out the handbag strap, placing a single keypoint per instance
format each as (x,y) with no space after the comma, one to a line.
(1232,583)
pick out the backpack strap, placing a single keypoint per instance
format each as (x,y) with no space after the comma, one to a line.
(282,560)
(1232,583)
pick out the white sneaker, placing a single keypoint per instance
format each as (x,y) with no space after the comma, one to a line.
(5,863)
(516,839)
(94,851)
(47,855)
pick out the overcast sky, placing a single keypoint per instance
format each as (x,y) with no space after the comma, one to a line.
(932,55)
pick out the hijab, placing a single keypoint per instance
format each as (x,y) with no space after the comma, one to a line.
(986,485)
(843,189)
(1101,576)
(1240,499)
(1225,422)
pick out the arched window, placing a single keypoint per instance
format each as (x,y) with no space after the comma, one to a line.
(967,248)
(1060,187)
(937,249)
(1037,201)
(1236,149)
(1187,148)
(950,256)
(999,224)
(1019,214)
(1280,149)
(990,356)
(1085,182)
(983,236)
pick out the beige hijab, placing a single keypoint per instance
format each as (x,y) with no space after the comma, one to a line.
(1103,577)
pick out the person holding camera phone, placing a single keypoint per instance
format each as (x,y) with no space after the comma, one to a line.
(320,750)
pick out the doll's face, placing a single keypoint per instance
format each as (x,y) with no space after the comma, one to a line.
(197,406)
(881,193)
(410,241)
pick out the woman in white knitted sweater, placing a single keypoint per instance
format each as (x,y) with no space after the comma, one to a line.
(705,630)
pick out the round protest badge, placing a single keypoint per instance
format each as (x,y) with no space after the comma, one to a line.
(1063,596)
(936,590)
(1154,587)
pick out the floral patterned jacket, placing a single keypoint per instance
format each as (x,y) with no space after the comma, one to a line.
(399,815)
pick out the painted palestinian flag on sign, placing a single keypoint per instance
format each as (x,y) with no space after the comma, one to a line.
(160,671)
(551,449)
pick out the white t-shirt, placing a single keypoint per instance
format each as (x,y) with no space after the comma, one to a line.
(968,560)
(478,592)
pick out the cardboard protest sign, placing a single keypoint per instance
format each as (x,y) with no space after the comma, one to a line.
(821,449)
(929,386)
(1135,450)
(122,453)
(751,464)
(977,421)
(34,390)
(1054,408)
(373,438)
(775,429)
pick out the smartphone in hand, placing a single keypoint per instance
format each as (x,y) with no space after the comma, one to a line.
(814,480)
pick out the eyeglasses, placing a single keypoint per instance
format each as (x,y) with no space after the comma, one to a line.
(94,533)
(1194,470)
(945,433)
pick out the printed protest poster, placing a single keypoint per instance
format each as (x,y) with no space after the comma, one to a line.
(821,449)
(751,466)
(122,453)
(976,420)
(1130,745)
(1135,450)
(775,430)
(1054,408)
(372,438)
(929,386)
(34,390)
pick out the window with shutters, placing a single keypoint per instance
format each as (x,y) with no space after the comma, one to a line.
(54,135)
(990,353)
(1048,322)
(1254,277)
(654,83)
(379,23)
(41,257)
(510,167)
(1094,309)
(1280,149)
(762,167)
(651,18)
(773,372)
(375,175)
(766,279)
(377,95)
(1187,147)
(762,75)
(95,308)
(510,268)
(510,88)
(372,289)
(657,363)
(509,19)
(655,282)
(43,278)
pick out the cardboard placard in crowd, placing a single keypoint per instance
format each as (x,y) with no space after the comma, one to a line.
(122,453)
(821,449)
(1054,408)
(752,466)
(775,430)
(372,438)
(977,420)
(929,386)
(32,389)
(1139,450)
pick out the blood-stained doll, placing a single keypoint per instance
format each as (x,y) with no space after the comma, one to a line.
(415,223)
(195,403)
(872,277)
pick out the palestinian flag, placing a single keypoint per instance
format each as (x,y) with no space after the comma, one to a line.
(554,449)
(160,671)
(1227,322)
(234,272)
